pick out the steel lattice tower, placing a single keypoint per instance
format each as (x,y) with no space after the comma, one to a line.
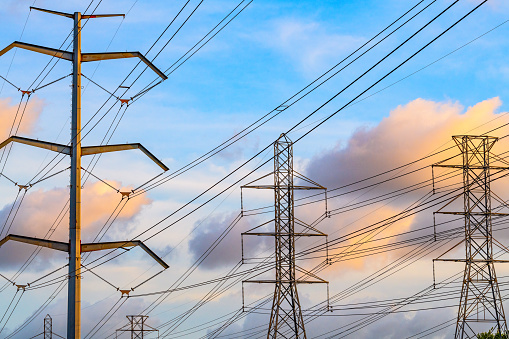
(480,301)
(286,319)
(48,327)
(137,327)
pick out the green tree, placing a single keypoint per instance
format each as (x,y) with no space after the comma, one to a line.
(491,335)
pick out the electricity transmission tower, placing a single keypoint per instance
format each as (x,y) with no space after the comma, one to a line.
(48,327)
(481,302)
(138,328)
(74,149)
(286,319)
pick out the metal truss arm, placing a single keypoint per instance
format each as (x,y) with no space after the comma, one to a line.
(39,49)
(64,247)
(122,244)
(85,57)
(56,245)
(67,15)
(121,147)
(38,143)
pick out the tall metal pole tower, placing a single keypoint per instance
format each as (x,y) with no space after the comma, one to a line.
(137,327)
(48,327)
(480,302)
(76,151)
(286,319)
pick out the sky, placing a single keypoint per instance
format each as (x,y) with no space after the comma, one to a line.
(269,52)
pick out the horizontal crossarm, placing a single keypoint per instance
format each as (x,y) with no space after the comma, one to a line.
(122,244)
(286,281)
(283,187)
(68,15)
(282,234)
(62,246)
(472,167)
(38,143)
(473,260)
(56,245)
(85,57)
(57,53)
(121,147)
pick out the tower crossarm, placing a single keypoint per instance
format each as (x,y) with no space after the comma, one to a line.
(472,167)
(473,260)
(296,187)
(494,214)
(91,247)
(86,57)
(69,15)
(286,281)
(56,245)
(88,150)
(272,234)
(38,143)
(57,53)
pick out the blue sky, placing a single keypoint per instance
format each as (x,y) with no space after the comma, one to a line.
(268,53)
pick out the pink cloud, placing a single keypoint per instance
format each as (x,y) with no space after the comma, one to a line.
(41,207)
(8,109)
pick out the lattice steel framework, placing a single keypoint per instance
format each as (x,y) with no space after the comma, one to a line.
(286,319)
(48,327)
(137,327)
(481,303)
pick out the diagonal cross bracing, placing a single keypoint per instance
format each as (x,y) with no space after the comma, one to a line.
(480,307)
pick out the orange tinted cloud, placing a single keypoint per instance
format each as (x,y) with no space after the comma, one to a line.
(8,109)
(410,132)
(41,207)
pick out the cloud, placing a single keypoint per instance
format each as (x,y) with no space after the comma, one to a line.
(41,207)
(308,44)
(228,252)
(8,110)
(237,150)
(410,132)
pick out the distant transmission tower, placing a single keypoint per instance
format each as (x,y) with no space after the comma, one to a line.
(137,327)
(481,302)
(286,319)
(74,149)
(48,327)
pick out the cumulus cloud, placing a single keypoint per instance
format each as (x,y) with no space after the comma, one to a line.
(8,109)
(228,252)
(410,132)
(41,207)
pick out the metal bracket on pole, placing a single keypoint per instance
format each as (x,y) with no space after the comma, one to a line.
(86,57)
(38,143)
(90,247)
(84,150)
(125,292)
(122,147)
(68,15)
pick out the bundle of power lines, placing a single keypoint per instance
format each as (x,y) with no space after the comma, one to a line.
(410,246)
